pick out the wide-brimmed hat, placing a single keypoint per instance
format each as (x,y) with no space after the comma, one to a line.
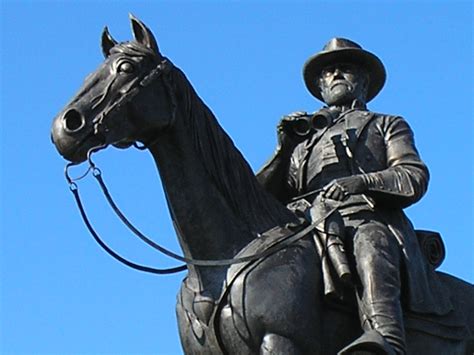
(341,50)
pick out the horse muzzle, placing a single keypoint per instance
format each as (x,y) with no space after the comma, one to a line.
(72,136)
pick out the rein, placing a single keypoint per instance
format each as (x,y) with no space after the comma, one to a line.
(96,172)
(75,191)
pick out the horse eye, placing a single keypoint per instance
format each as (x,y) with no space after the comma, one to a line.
(125,67)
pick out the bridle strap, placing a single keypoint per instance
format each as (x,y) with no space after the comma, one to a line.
(283,243)
(163,67)
(75,192)
(98,175)
(198,262)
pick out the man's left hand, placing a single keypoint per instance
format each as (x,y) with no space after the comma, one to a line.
(340,189)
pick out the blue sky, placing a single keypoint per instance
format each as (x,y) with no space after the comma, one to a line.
(59,292)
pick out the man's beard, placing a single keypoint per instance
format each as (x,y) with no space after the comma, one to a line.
(339,93)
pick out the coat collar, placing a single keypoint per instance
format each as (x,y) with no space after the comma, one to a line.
(356,121)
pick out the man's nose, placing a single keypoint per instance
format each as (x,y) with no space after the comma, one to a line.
(337,73)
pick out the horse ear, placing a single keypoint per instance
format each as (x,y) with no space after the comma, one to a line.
(142,34)
(107,42)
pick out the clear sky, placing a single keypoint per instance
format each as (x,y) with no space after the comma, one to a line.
(59,292)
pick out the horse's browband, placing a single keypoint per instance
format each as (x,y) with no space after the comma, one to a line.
(162,67)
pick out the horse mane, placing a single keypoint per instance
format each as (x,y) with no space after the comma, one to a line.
(224,163)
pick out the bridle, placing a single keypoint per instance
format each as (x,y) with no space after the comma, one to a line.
(163,67)
(291,238)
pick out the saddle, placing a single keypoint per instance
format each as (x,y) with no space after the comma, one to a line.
(450,326)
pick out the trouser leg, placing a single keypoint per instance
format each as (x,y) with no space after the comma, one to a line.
(377,254)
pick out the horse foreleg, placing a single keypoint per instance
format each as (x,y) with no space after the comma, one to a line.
(274,344)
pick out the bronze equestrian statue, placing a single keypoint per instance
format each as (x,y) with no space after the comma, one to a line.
(311,256)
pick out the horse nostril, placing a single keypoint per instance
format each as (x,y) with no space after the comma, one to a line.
(73,121)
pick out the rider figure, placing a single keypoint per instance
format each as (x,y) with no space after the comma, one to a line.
(367,164)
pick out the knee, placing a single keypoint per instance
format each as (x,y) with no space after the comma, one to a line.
(374,241)
(277,344)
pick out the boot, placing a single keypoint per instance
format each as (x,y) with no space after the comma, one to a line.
(378,256)
(369,343)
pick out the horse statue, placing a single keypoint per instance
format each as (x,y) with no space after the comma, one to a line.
(266,293)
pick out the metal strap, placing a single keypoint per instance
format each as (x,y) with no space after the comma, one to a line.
(112,253)
(286,241)
(221,262)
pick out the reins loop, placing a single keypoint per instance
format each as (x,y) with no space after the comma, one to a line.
(111,252)
(97,173)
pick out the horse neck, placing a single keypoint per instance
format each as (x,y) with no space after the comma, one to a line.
(215,201)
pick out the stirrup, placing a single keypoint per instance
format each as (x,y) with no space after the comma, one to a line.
(371,342)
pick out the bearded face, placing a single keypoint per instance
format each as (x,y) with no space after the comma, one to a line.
(343,83)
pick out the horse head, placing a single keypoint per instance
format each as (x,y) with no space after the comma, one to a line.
(115,104)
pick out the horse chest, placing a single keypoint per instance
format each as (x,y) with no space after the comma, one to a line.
(199,315)
(195,312)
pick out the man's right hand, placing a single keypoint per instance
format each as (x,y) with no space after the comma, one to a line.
(287,138)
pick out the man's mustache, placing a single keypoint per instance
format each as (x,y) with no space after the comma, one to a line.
(349,86)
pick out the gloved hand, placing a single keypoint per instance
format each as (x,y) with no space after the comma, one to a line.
(287,138)
(340,189)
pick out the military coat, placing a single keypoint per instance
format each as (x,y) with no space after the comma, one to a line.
(380,148)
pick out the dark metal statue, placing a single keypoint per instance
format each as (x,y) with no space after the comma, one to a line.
(368,163)
(263,277)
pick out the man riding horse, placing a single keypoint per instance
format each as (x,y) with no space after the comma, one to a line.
(366,165)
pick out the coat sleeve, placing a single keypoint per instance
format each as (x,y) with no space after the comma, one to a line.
(405,180)
(279,175)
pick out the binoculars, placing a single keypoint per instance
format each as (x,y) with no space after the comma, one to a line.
(305,124)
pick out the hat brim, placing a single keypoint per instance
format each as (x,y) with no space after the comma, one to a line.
(316,63)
